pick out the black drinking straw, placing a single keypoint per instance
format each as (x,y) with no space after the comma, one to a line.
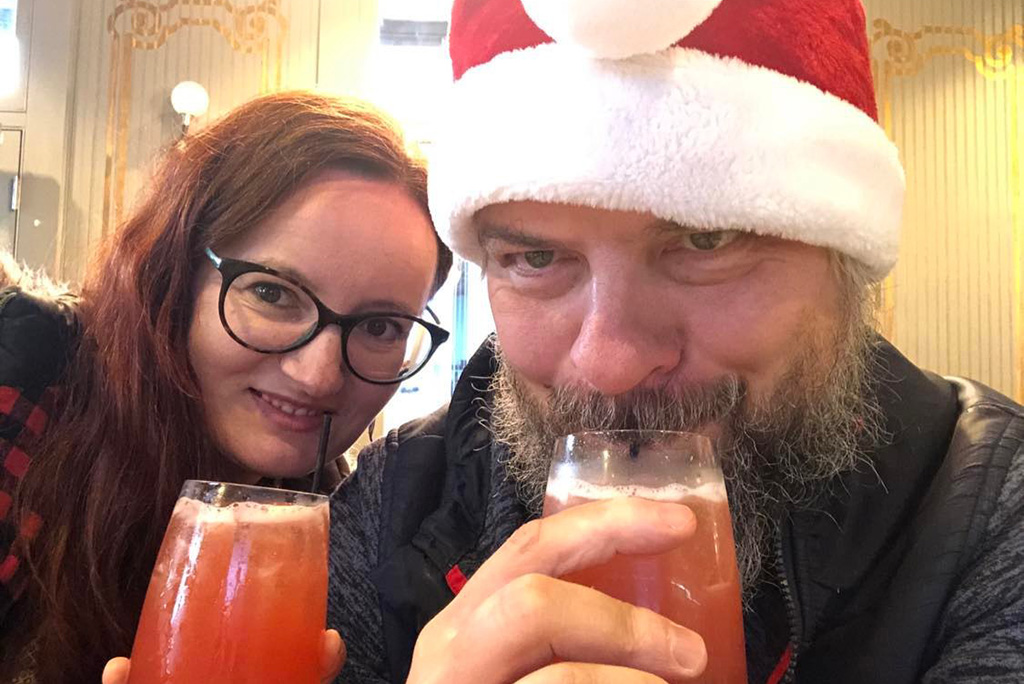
(321,453)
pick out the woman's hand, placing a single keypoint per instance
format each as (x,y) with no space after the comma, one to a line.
(116,671)
(331,660)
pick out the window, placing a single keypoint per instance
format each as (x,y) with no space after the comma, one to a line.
(409,73)
(410,66)
(10,50)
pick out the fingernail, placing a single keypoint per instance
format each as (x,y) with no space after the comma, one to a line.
(677,516)
(690,652)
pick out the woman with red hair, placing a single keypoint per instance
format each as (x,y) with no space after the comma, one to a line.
(172,363)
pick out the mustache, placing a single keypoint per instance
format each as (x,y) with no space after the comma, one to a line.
(679,408)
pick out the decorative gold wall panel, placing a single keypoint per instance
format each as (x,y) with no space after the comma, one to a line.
(130,55)
(134,25)
(950,81)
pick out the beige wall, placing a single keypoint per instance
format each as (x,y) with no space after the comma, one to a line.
(131,54)
(950,80)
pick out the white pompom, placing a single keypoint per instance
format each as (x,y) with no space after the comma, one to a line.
(615,29)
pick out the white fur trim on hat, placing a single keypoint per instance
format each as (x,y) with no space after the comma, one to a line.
(615,29)
(703,141)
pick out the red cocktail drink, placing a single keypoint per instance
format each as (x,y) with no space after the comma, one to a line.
(696,585)
(239,591)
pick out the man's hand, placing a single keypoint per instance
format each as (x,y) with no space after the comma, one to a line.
(513,622)
(331,660)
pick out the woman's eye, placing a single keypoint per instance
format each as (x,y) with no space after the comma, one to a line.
(381,328)
(268,292)
(539,259)
(272,294)
(385,329)
(710,241)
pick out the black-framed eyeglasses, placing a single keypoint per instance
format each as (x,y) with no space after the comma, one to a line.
(270,313)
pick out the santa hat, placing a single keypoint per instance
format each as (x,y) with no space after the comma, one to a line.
(757,115)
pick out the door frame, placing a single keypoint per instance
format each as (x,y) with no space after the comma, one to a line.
(4,196)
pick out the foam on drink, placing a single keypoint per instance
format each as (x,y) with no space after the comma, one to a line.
(247,512)
(563,489)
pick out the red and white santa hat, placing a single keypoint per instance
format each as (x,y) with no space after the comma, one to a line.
(756,115)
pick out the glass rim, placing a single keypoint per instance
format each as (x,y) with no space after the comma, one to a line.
(262,494)
(693,448)
(623,434)
(626,431)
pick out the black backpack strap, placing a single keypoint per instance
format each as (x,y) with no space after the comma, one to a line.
(411,590)
(413,480)
(434,500)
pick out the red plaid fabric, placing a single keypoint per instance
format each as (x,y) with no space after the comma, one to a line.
(36,337)
(21,420)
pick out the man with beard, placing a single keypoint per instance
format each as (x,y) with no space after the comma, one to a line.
(680,209)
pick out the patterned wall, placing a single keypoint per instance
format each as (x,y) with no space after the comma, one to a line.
(950,79)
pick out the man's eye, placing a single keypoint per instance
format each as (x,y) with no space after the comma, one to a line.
(710,241)
(539,259)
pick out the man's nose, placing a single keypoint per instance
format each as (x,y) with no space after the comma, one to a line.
(628,338)
(318,367)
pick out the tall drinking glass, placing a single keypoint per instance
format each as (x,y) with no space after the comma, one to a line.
(695,585)
(239,592)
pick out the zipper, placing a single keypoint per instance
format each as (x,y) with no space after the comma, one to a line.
(791,612)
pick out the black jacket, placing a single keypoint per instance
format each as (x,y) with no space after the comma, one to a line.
(36,337)
(913,573)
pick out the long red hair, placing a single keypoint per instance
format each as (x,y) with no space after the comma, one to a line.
(130,429)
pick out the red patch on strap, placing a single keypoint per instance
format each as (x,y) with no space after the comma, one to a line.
(456,580)
(782,667)
(17,462)
(5,504)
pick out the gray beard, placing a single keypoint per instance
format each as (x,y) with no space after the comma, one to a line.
(785,449)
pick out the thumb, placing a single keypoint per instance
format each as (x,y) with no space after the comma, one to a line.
(116,671)
(331,660)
